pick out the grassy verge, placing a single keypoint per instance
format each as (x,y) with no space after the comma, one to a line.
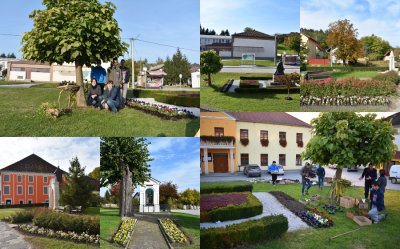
(92,211)
(259,63)
(190,225)
(356,74)
(211,97)
(109,222)
(382,235)
(41,242)
(18,114)
(4,212)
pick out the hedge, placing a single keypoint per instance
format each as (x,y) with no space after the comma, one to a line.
(249,84)
(246,233)
(226,188)
(345,69)
(267,90)
(251,208)
(24,205)
(254,78)
(179,98)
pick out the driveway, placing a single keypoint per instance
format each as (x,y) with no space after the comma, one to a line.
(255,69)
(291,174)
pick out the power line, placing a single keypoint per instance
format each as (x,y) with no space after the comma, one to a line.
(9,35)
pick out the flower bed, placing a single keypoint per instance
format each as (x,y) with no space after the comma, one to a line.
(315,218)
(330,209)
(125,231)
(208,202)
(161,111)
(174,234)
(289,202)
(67,235)
(249,84)
(342,100)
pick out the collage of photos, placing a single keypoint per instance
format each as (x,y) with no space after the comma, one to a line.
(229,124)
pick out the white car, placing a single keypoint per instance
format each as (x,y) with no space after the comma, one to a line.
(394,173)
(280,170)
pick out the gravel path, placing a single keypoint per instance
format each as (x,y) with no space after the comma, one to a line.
(271,206)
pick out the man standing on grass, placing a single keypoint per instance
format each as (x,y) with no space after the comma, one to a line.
(377,204)
(370,176)
(321,176)
(273,169)
(305,178)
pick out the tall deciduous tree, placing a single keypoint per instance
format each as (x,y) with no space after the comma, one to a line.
(168,190)
(124,160)
(343,36)
(76,190)
(210,63)
(375,47)
(79,31)
(293,42)
(190,197)
(348,139)
(95,173)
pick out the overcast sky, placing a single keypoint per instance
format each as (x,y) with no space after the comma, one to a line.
(57,151)
(379,17)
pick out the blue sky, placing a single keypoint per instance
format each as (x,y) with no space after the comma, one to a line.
(381,18)
(172,22)
(175,159)
(57,151)
(268,16)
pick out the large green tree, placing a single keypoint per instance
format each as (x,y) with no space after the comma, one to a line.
(178,64)
(124,160)
(348,139)
(210,63)
(190,197)
(375,47)
(77,190)
(293,41)
(95,173)
(78,31)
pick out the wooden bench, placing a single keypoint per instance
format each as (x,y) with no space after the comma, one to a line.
(77,209)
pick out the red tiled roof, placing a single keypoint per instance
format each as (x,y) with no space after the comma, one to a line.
(395,118)
(254,34)
(280,118)
(32,163)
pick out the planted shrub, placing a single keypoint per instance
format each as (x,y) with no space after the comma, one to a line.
(246,233)
(24,205)
(255,78)
(227,188)
(21,217)
(179,98)
(244,141)
(283,142)
(390,76)
(272,90)
(264,142)
(249,84)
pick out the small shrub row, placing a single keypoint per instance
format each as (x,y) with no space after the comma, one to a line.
(248,209)
(22,217)
(254,78)
(345,69)
(24,205)
(344,101)
(391,76)
(67,222)
(226,188)
(246,233)
(271,90)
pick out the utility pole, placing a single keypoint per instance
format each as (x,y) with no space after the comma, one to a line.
(133,63)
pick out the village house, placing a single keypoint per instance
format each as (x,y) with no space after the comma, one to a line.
(315,53)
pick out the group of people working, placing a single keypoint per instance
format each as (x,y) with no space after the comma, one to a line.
(108,89)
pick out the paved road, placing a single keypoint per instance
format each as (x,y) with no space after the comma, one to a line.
(17,86)
(147,233)
(10,238)
(255,69)
(292,174)
(189,211)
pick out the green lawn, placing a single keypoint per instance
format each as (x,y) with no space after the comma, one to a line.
(18,109)
(92,211)
(109,222)
(382,235)
(259,63)
(212,99)
(190,224)
(42,242)
(356,74)
(10,211)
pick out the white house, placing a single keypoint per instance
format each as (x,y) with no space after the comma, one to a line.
(262,45)
(149,199)
(196,79)
(207,40)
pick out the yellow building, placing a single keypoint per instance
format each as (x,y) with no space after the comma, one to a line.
(235,139)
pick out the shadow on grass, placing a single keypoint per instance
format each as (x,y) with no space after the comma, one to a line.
(192,127)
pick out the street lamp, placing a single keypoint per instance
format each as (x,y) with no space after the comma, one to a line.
(180,80)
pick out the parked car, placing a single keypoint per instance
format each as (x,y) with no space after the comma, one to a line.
(394,173)
(252,170)
(280,170)
(352,168)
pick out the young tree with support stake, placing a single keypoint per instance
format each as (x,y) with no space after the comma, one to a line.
(348,138)
(124,160)
(73,31)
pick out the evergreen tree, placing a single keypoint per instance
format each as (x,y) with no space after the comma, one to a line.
(222,32)
(227,33)
(12,55)
(3,55)
(179,64)
(76,190)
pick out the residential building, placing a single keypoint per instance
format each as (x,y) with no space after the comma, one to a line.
(315,51)
(152,78)
(31,180)
(208,42)
(255,138)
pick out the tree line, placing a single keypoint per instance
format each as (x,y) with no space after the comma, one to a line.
(11,56)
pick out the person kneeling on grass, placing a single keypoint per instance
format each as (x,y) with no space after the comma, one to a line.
(377,204)
(305,178)
(94,94)
(112,97)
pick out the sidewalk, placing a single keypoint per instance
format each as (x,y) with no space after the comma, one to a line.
(10,238)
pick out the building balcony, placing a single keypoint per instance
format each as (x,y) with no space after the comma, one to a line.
(213,142)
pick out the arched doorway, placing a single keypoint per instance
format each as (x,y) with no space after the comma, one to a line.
(149,197)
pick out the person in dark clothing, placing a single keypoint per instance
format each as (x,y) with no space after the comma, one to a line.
(94,94)
(125,75)
(321,176)
(382,181)
(369,174)
(305,178)
(112,97)
(377,204)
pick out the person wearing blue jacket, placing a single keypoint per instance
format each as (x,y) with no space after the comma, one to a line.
(377,204)
(100,74)
(112,96)
(273,169)
(321,176)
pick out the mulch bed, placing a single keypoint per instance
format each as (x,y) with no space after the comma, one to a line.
(289,202)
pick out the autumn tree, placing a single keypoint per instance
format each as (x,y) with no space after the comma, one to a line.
(349,139)
(293,41)
(190,197)
(168,191)
(95,174)
(343,36)
(124,160)
(73,31)
(210,63)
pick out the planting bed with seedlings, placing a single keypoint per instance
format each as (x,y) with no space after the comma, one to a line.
(173,233)
(161,111)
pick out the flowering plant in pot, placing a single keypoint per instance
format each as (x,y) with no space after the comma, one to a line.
(244,141)
(283,142)
(299,143)
(264,142)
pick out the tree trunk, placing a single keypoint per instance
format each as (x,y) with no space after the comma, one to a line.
(126,207)
(80,95)
(338,174)
(209,80)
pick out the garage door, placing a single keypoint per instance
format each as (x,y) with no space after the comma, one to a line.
(220,161)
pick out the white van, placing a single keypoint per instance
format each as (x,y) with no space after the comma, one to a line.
(394,174)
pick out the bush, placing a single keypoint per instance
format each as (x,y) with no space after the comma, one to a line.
(272,90)
(249,84)
(248,209)
(391,76)
(22,217)
(24,205)
(68,222)
(345,69)
(254,78)
(179,98)
(226,188)
(246,233)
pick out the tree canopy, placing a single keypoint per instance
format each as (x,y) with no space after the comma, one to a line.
(168,190)
(179,64)
(190,197)
(95,173)
(375,47)
(210,63)
(293,41)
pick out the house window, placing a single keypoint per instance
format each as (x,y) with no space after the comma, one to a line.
(21,202)
(19,190)
(45,179)
(298,160)
(45,190)
(244,159)
(46,201)
(6,190)
(219,131)
(263,135)
(244,134)
(19,178)
(40,70)
(282,135)
(299,137)
(30,178)
(6,178)
(264,159)
(30,190)
(282,159)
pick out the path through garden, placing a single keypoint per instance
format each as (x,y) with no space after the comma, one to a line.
(10,238)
